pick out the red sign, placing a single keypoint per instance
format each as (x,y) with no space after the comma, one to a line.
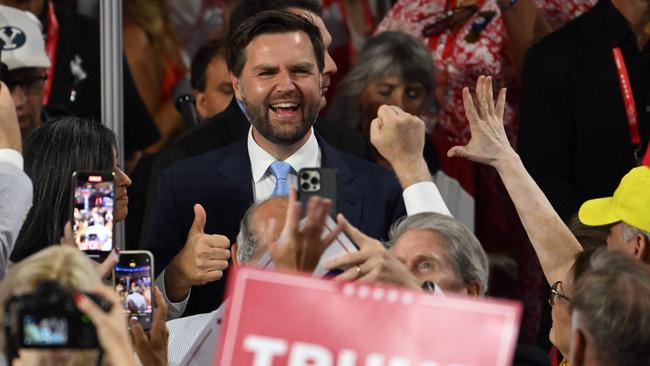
(280,319)
(94,178)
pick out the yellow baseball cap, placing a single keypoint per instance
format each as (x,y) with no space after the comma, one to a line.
(630,203)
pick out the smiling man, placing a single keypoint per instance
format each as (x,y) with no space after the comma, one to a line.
(276,61)
(232,125)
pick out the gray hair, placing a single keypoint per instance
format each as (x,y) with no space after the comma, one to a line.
(613,299)
(629,232)
(248,238)
(465,251)
(386,54)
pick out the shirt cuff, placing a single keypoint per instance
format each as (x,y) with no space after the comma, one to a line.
(11,156)
(174,309)
(424,197)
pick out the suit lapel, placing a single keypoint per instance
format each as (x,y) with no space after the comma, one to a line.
(600,72)
(235,166)
(351,196)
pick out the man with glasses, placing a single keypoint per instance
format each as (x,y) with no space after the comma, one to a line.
(25,61)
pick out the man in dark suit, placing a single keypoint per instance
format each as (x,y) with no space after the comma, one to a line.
(276,62)
(231,125)
(576,134)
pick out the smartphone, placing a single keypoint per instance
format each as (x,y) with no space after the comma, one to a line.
(318,182)
(93,195)
(133,281)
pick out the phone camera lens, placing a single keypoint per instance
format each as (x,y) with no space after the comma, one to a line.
(306,186)
(305,176)
(314,180)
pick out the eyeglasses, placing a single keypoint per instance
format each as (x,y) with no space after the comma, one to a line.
(32,84)
(448,19)
(556,293)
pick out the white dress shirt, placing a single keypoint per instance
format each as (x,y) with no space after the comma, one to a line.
(12,157)
(308,156)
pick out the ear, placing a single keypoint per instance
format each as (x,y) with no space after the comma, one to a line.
(233,254)
(473,289)
(236,86)
(201,102)
(642,248)
(578,347)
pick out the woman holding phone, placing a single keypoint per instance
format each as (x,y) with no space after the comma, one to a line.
(52,154)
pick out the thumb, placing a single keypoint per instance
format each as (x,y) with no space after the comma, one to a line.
(457,151)
(375,130)
(68,236)
(199,219)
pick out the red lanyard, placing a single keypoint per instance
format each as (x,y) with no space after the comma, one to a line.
(51,42)
(628,96)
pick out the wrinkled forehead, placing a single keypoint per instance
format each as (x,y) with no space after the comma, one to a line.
(420,242)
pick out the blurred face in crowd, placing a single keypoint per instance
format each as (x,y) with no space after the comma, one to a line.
(424,252)
(560,334)
(637,245)
(33,6)
(391,90)
(330,67)
(122,182)
(280,87)
(26,86)
(218,89)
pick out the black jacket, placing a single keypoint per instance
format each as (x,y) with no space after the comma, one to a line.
(574,138)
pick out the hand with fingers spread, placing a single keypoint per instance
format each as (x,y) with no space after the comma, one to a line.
(399,137)
(111,326)
(203,259)
(300,249)
(372,263)
(489,143)
(151,346)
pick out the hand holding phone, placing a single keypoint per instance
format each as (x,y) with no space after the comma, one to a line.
(133,281)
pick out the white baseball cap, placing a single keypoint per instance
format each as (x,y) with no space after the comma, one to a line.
(23,41)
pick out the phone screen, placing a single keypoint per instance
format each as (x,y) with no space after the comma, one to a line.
(93,212)
(133,277)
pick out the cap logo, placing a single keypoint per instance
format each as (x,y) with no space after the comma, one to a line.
(13,38)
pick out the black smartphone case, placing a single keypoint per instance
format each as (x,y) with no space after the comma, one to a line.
(325,187)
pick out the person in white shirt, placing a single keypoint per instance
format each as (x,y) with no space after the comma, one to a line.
(15,186)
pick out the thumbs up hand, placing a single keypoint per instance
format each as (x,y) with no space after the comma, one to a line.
(203,259)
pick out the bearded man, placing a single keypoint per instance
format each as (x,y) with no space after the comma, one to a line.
(276,61)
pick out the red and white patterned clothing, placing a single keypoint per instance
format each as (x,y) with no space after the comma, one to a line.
(462,62)
(474,193)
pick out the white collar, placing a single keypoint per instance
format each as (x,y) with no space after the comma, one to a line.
(308,156)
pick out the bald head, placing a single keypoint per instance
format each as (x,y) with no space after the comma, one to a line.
(253,237)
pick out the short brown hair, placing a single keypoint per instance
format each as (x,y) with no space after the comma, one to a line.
(270,22)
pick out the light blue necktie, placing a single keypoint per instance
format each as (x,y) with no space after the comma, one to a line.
(280,171)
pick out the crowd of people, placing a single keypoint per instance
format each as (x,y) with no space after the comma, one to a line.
(444,183)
